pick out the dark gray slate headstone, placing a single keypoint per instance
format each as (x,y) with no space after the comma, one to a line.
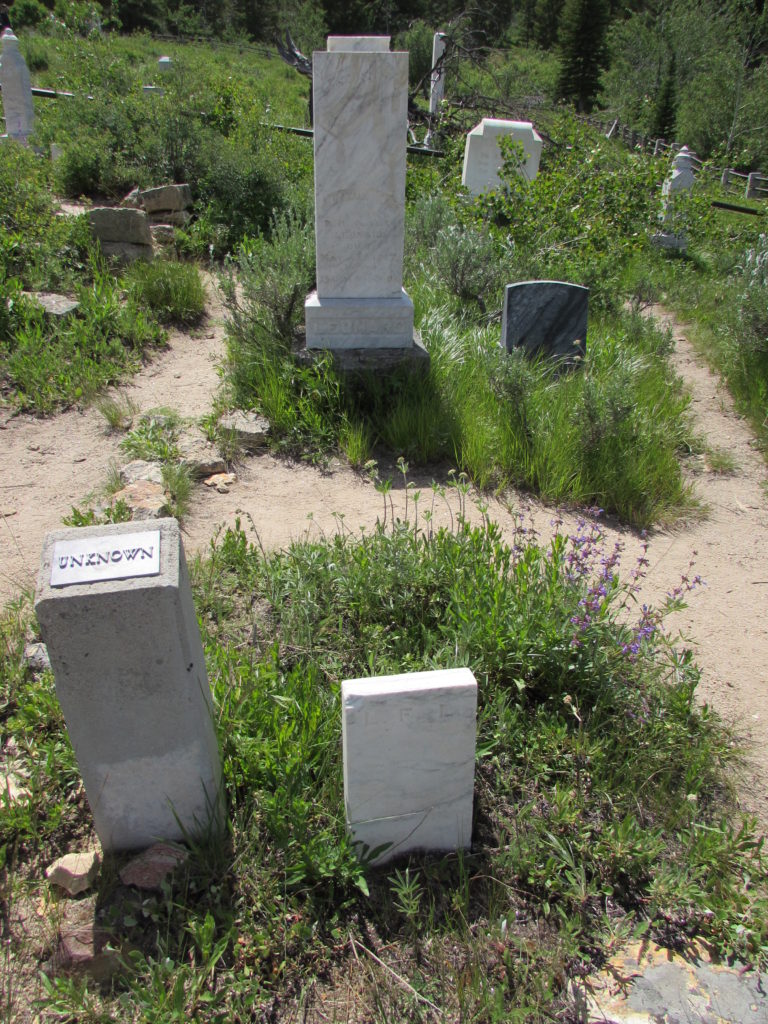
(545,318)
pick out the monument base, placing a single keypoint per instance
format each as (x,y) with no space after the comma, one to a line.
(670,240)
(357,362)
(366,323)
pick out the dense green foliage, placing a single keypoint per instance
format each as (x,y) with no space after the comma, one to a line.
(709,56)
(501,419)
(572,844)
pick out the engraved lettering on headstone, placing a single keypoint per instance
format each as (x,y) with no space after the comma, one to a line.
(94,559)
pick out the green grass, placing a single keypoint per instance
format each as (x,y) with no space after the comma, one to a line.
(575,845)
(173,291)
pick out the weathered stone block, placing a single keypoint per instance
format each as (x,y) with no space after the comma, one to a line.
(120,224)
(115,609)
(166,197)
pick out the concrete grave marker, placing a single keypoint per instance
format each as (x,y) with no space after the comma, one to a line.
(545,318)
(115,608)
(18,106)
(360,93)
(409,760)
(482,156)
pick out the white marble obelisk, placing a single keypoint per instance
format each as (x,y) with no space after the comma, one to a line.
(360,95)
(18,106)
(437,78)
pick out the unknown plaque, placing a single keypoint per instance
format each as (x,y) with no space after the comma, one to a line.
(93,559)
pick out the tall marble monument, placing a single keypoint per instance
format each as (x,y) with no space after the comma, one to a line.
(361,122)
(18,107)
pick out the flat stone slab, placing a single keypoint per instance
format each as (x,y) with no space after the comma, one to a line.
(140,469)
(120,224)
(409,761)
(547,318)
(53,304)
(648,984)
(145,498)
(199,457)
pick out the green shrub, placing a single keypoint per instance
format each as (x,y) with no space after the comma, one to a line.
(28,14)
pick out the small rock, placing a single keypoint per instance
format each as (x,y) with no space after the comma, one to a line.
(148,870)
(145,498)
(170,218)
(199,456)
(83,944)
(133,199)
(163,234)
(221,481)
(249,428)
(139,469)
(127,252)
(36,656)
(74,872)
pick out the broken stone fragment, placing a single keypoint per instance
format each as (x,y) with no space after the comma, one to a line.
(74,872)
(199,457)
(221,481)
(148,869)
(249,428)
(36,656)
(83,943)
(140,469)
(145,498)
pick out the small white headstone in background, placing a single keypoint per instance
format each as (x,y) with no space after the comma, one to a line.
(130,676)
(409,761)
(164,64)
(681,178)
(482,156)
(18,107)
(437,79)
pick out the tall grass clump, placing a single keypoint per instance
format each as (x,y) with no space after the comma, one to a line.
(46,365)
(173,291)
(575,846)
(608,431)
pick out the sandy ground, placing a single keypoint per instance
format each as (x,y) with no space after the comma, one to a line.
(48,465)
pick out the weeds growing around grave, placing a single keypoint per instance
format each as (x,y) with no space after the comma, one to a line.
(575,845)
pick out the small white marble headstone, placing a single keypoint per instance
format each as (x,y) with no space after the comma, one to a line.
(482,156)
(409,761)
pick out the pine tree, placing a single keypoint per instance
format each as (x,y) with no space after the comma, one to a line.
(664,112)
(583,51)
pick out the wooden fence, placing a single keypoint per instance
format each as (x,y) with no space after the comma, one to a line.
(750,186)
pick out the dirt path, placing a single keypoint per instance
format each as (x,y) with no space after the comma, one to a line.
(46,466)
